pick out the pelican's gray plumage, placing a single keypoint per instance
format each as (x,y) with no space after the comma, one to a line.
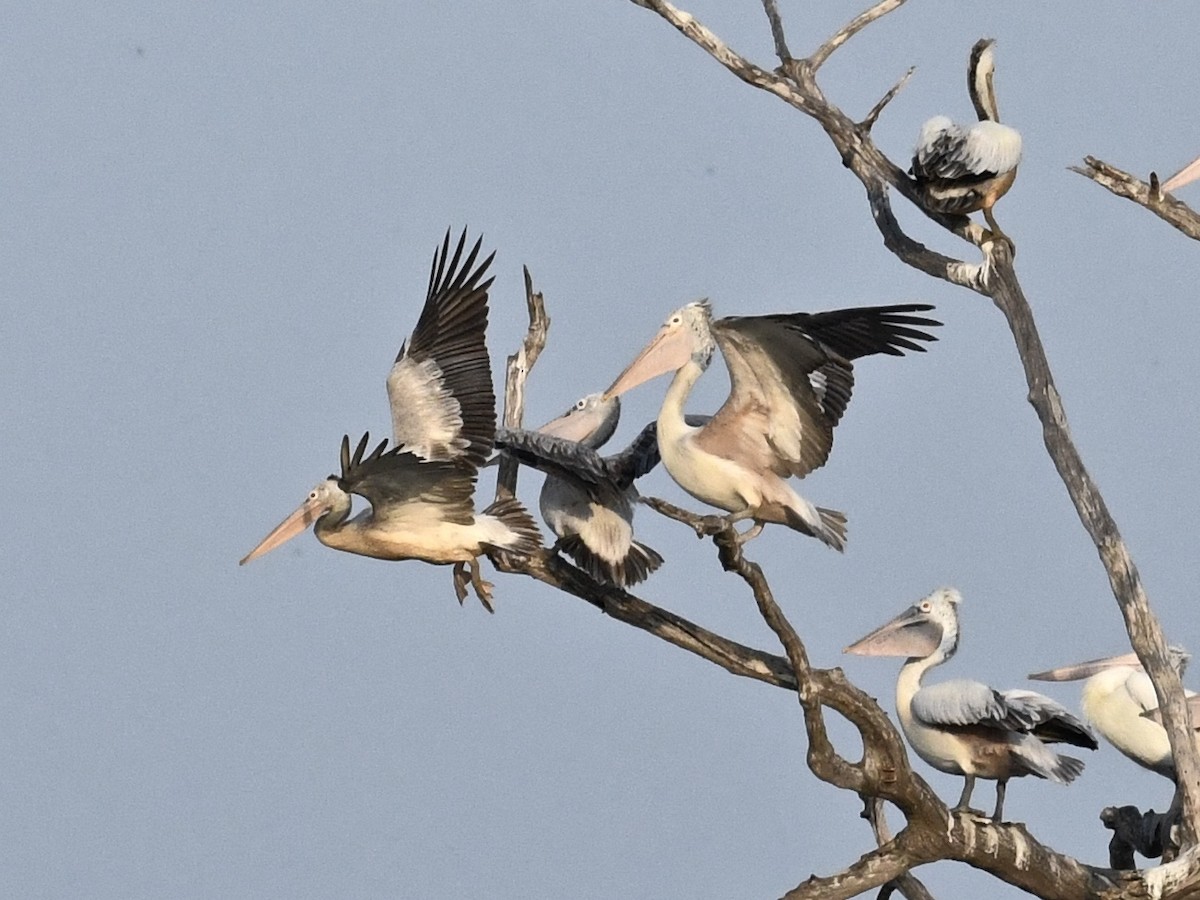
(1184,176)
(588,500)
(965,727)
(791,379)
(1120,703)
(964,168)
(444,423)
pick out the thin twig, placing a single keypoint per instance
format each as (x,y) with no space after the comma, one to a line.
(869,122)
(857,24)
(781,47)
(1174,212)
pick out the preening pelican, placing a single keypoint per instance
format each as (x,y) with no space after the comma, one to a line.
(791,377)
(961,169)
(1119,701)
(1186,175)
(965,727)
(444,422)
(588,500)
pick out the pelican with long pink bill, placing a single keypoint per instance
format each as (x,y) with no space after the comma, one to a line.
(965,727)
(587,499)
(421,493)
(1184,176)
(791,376)
(1120,703)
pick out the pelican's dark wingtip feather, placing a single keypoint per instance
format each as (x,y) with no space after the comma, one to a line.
(452,331)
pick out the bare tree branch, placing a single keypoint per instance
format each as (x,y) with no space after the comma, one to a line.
(776,22)
(869,122)
(909,886)
(1175,212)
(1145,632)
(517,371)
(857,24)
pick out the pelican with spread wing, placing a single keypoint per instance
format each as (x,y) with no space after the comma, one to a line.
(965,727)
(791,376)
(588,499)
(964,168)
(421,492)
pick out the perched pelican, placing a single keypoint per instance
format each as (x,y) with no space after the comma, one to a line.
(961,169)
(791,378)
(1119,701)
(588,500)
(965,727)
(444,422)
(1186,175)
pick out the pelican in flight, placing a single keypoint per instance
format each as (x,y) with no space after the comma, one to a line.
(965,727)
(791,378)
(1186,175)
(444,422)
(961,169)
(588,500)
(1119,701)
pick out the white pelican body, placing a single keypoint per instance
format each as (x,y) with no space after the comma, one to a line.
(588,500)
(791,377)
(1119,701)
(964,168)
(444,422)
(965,727)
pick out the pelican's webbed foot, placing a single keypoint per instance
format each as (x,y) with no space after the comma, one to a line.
(460,582)
(750,533)
(996,234)
(472,572)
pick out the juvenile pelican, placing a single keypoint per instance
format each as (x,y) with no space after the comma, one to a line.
(791,378)
(444,421)
(965,727)
(961,169)
(1119,701)
(1186,175)
(588,500)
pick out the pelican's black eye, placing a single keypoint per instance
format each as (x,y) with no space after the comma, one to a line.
(675,320)
(580,404)
(312,496)
(926,606)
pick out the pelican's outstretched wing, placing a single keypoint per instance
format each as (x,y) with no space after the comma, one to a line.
(440,388)
(792,378)
(601,477)
(397,479)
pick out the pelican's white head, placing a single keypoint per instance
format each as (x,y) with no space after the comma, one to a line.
(928,626)
(685,336)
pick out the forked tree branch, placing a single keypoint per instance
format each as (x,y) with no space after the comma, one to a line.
(997,279)
(1144,193)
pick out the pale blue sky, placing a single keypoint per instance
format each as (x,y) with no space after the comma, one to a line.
(216,229)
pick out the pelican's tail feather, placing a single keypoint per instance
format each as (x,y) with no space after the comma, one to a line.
(831,530)
(1040,760)
(1066,769)
(525,536)
(633,568)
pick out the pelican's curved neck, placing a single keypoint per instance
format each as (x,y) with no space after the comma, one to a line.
(670,416)
(333,523)
(983,97)
(912,673)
